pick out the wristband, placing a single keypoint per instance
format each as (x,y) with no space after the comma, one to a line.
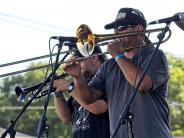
(119,56)
(57,94)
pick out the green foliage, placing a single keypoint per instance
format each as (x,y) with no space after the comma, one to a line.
(176,94)
(28,122)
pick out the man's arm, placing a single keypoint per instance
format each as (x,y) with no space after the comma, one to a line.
(62,109)
(83,93)
(92,104)
(133,74)
(98,107)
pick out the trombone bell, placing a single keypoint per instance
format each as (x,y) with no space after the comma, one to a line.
(86,40)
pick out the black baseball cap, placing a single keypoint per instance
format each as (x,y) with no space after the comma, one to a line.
(127,16)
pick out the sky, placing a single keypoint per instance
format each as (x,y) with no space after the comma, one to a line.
(27,25)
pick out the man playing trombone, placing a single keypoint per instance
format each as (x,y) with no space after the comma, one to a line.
(118,76)
(88,121)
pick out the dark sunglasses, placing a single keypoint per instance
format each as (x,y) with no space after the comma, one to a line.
(121,28)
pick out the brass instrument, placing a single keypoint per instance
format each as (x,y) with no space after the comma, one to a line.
(85,45)
(22,92)
(87,40)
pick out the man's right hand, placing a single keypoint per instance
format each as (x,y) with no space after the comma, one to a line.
(60,85)
(73,69)
(116,47)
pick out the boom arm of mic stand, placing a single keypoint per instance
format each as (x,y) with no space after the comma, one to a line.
(127,106)
(13,122)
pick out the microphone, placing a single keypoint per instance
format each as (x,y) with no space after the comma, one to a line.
(70,44)
(18,90)
(177,17)
(64,38)
(180,24)
(20,93)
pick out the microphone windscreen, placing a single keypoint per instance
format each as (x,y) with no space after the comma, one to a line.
(180,24)
(18,91)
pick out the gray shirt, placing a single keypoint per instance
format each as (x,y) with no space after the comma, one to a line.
(149,108)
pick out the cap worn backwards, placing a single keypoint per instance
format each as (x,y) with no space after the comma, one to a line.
(127,16)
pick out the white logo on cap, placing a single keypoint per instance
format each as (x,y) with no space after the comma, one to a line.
(121,15)
(139,14)
(135,13)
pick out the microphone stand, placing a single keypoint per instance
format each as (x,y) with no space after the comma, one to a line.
(42,125)
(125,114)
(10,129)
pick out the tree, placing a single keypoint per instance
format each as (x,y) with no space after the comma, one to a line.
(176,94)
(29,120)
(27,123)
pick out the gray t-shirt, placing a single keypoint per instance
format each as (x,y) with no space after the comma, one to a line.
(150,109)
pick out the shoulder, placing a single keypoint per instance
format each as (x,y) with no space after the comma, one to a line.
(106,66)
(147,53)
(108,63)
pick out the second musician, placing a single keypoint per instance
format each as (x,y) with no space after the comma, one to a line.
(88,121)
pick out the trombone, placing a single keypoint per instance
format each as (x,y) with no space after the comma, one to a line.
(22,92)
(86,41)
(85,45)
